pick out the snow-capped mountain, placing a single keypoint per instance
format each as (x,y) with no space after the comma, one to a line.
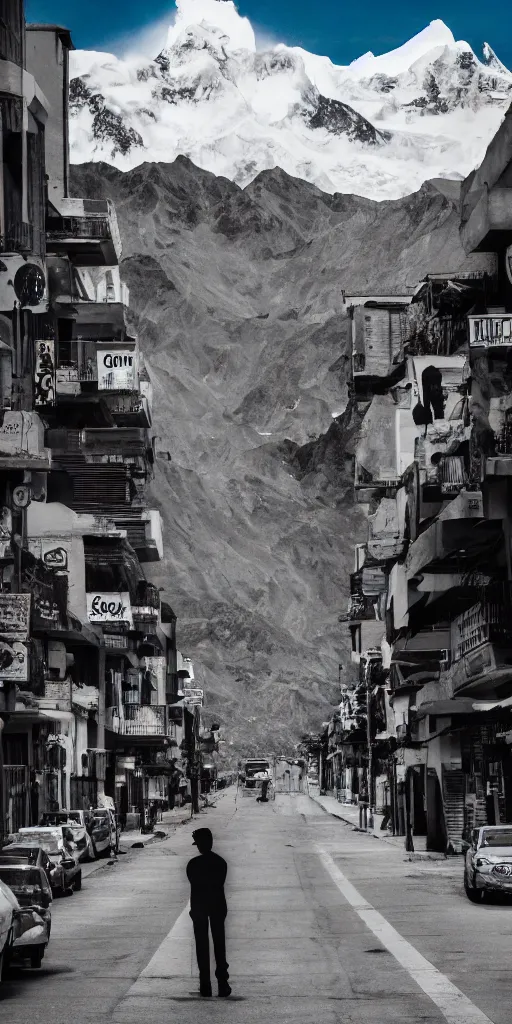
(378,127)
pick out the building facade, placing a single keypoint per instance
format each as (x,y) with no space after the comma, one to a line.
(91,705)
(424,727)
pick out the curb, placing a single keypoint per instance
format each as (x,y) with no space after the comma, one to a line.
(420,855)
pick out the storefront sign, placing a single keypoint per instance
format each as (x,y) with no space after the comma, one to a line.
(490,330)
(44,378)
(193,696)
(105,607)
(116,369)
(15,616)
(13,661)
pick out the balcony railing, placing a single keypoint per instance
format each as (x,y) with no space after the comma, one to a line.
(451,474)
(485,622)
(138,719)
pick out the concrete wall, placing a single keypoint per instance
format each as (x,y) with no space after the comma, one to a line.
(47,60)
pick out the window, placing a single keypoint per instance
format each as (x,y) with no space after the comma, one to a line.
(11,31)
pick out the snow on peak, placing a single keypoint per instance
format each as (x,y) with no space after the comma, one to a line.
(218,16)
(379,127)
(397,61)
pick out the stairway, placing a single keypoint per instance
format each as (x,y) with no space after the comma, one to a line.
(454,791)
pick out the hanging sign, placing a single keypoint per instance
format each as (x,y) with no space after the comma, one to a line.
(106,607)
(45,377)
(116,369)
(15,616)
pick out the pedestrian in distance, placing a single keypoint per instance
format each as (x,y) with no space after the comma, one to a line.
(207,875)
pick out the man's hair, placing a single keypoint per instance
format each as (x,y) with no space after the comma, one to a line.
(203,839)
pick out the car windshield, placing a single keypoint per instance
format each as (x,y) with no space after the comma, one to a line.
(100,814)
(16,853)
(21,879)
(498,838)
(61,818)
(49,843)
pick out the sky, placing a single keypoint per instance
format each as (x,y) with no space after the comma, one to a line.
(340,29)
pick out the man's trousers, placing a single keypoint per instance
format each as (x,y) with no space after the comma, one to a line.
(216,922)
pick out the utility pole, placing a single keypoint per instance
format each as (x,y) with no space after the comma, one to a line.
(369,742)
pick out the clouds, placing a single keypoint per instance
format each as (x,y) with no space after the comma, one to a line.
(146,41)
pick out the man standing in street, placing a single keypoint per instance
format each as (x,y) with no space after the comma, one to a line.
(207,874)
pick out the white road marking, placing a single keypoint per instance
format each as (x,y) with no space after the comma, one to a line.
(453,1004)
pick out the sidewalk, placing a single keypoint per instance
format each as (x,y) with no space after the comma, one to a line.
(349,813)
(170,821)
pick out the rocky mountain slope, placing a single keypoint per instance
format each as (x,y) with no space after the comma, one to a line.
(379,126)
(237,297)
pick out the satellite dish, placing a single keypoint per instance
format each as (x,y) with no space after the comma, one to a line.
(29,284)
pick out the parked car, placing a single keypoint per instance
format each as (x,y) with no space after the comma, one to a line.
(32,890)
(8,907)
(105,830)
(79,822)
(61,851)
(17,853)
(488,866)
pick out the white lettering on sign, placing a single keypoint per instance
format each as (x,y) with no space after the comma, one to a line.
(103,607)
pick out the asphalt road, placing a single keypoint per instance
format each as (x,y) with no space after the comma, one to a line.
(325,925)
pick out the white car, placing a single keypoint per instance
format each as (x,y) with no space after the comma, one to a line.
(8,907)
(105,830)
(488,866)
(79,822)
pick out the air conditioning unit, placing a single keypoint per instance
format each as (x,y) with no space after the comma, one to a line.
(22,283)
(59,661)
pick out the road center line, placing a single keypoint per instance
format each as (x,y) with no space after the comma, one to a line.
(453,1004)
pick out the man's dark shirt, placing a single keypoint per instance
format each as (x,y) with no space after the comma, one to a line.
(207,874)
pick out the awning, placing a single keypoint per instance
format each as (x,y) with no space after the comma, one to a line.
(435,640)
(485,705)
(57,716)
(464,706)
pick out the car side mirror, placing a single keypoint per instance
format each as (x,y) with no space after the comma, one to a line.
(68,863)
(46,899)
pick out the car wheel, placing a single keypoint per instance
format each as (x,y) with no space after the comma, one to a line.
(474,895)
(78,882)
(36,957)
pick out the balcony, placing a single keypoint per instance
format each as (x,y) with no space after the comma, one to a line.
(89,367)
(144,532)
(482,646)
(458,536)
(141,720)
(490,330)
(84,229)
(360,606)
(131,410)
(96,293)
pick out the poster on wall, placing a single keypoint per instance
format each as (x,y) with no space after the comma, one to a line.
(13,661)
(105,607)
(116,369)
(15,616)
(45,377)
(54,556)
